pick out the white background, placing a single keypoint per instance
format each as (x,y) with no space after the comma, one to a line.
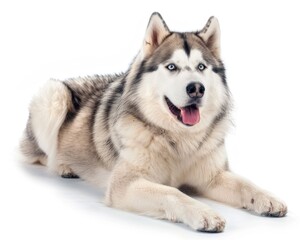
(59,39)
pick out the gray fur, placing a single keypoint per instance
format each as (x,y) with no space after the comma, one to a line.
(120,132)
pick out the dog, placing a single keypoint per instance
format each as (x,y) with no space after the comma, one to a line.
(152,135)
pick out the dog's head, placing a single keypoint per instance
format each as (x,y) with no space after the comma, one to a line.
(180,77)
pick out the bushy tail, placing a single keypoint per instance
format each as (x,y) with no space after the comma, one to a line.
(48,111)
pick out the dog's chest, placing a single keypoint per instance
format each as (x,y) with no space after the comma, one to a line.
(181,146)
(168,156)
(181,156)
(179,152)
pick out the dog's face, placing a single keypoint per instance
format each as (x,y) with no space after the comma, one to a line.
(183,78)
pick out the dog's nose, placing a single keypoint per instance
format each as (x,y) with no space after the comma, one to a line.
(195,90)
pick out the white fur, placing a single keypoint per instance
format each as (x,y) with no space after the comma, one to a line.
(48,110)
(157,26)
(160,154)
(162,83)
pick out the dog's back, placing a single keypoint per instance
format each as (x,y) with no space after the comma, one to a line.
(53,110)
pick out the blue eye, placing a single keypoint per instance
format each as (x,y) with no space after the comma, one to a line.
(201,67)
(171,67)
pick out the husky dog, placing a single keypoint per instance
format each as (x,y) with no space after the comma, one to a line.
(151,135)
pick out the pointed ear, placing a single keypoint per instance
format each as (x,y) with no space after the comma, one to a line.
(156,31)
(211,36)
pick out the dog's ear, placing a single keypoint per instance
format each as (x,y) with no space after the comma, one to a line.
(211,36)
(156,31)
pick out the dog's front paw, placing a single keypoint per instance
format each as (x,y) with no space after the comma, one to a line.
(266,205)
(204,220)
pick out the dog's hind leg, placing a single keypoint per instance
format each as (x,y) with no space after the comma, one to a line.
(30,149)
(66,172)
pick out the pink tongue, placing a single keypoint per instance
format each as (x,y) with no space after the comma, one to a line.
(190,115)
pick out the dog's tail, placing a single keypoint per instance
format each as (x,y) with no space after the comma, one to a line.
(48,111)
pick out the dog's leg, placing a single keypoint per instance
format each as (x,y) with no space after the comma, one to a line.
(231,189)
(129,191)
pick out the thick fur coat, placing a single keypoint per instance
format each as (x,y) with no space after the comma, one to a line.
(151,134)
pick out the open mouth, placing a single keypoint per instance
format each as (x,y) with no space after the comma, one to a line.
(189,115)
